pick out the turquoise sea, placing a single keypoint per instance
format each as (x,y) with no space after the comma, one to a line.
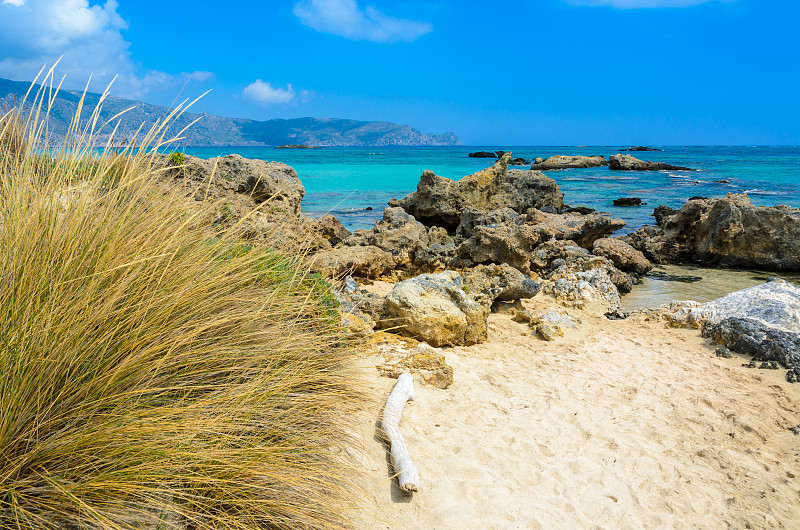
(346,181)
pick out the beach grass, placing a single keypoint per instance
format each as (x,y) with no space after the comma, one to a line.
(156,373)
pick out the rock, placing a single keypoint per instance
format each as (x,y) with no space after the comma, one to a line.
(482,154)
(519,161)
(583,210)
(583,229)
(753,337)
(422,360)
(567,162)
(727,232)
(578,288)
(663,276)
(366,261)
(538,160)
(630,163)
(618,314)
(330,228)
(271,182)
(622,255)
(440,201)
(640,148)
(775,304)
(698,198)
(398,233)
(547,326)
(500,154)
(435,308)
(490,283)
(662,212)
(628,201)
(723,352)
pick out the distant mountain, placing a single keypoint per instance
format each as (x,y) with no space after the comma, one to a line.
(213,130)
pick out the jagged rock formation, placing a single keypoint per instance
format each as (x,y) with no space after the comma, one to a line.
(725,232)
(568,162)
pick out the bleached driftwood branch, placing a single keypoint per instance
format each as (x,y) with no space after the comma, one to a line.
(403,391)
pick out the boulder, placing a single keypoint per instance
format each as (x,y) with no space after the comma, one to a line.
(397,232)
(628,201)
(330,228)
(490,283)
(762,321)
(567,162)
(622,255)
(422,360)
(577,288)
(440,201)
(583,229)
(367,261)
(435,308)
(482,154)
(728,232)
(662,212)
(630,163)
(547,326)
(519,161)
(271,182)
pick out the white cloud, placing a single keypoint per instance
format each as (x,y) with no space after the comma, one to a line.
(264,93)
(346,19)
(641,4)
(35,33)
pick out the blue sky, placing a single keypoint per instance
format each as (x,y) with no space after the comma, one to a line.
(549,72)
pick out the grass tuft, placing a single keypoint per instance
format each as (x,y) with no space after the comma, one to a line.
(155,372)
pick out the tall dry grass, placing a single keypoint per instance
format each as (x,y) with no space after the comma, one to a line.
(153,374)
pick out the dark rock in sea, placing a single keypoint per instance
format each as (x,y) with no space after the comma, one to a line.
(568,162)
(722,181)
(630,163)
(296,146)
(369,208)
(628,201)
(482,154)
(519,161)
(500,154)
(727,232)
(440,201)
(640,148)
(723,352)
(662,212)
(697,198)
(583,210)
(663,276)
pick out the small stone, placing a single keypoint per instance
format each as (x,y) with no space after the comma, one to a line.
(793,375)
(769,365)
(795,430)
(618,314)
(723,352)
(751,364)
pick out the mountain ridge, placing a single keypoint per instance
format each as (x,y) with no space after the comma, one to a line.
(213,130)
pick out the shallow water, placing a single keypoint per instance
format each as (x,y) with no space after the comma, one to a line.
(715,283)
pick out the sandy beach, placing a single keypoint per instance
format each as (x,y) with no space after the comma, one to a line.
(618,424)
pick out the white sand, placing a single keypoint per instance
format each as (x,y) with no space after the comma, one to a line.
(622,424)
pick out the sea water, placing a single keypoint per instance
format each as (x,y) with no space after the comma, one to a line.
(346,181)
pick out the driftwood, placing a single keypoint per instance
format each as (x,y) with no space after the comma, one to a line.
(403,391)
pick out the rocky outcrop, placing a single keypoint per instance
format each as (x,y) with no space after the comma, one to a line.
(440,201)
(567,162)
(366,261)
(482,154)
(490,283)
(622,255)
(435,308)
(630,163)
(271,182)
(728,232)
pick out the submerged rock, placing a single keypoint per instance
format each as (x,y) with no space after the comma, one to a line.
(435,308)
(630,163)
(728,232)
(628,201)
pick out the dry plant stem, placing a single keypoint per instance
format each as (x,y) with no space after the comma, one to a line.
(403,391)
